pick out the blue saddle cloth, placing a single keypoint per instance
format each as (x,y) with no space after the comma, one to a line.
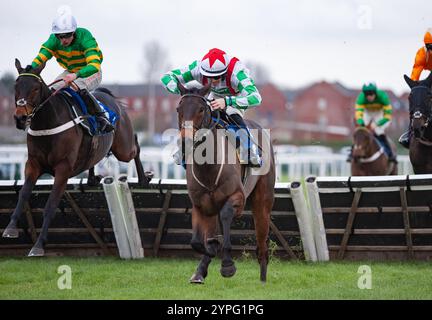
(383,146)
(91,120)
(233,129)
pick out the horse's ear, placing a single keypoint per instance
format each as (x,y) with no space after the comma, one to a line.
(39,69)
(182,88)
(411,83)
(429,80)
(18,66)
(205,90)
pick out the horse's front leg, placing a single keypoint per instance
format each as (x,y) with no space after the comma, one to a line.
(228,268)
(144,178)
(32,173)
(62,173)
(203,241)
(92,179)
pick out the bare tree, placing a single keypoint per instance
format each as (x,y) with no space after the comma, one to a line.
(8,81)
(155,63)
(259,73)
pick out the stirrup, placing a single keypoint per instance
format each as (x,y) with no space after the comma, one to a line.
(105,125)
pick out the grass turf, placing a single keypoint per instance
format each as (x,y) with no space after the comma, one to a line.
(112,278)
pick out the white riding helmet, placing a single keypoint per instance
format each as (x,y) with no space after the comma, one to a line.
(65,22)
(214,63)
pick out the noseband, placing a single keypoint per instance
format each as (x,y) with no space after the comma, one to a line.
(22,103)
(418,114)
(209,125)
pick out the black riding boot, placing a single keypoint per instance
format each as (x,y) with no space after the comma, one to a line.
(383,139)
(95,109)
(249,153)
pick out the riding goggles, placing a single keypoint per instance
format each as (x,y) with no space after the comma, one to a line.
(429,46)
(64,35)
(369,93)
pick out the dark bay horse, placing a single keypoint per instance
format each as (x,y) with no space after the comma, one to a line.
(216,189)
(420,110)
(369,158)
(66,153)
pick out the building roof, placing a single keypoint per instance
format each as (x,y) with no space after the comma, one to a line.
(134,90)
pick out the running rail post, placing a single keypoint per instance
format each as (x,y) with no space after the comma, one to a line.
(112,197)
(304,221)
(317,218)
(131,224)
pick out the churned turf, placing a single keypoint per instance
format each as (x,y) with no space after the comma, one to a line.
(151,278)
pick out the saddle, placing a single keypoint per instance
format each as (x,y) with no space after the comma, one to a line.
(79,109)
(225,122)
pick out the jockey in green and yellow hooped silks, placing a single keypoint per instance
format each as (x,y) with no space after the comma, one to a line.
(77,51)
(232,90)
(423,61)
(373,107)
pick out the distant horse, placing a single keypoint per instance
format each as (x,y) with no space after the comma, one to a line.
(369,158)
(216,189)
(64,149)
(420,110)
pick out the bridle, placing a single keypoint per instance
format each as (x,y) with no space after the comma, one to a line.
(367,150)
(23,103)
(417,115)
(207,122)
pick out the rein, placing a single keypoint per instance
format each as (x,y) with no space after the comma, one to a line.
(213,124)
(23,103)
(417,115)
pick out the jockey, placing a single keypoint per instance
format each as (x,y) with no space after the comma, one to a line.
(77,51)
(373,108)
(423,61)
(232,89)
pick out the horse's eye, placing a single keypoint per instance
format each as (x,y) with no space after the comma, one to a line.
(201,110)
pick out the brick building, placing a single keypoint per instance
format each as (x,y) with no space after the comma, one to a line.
(322,111)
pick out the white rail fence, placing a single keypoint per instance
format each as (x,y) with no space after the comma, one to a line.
(288,166)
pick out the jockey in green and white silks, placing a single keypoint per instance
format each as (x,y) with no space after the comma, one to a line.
(232,89)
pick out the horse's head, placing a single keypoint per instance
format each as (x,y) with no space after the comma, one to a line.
(28,93)
(194,112)
(420,104)
(362,140)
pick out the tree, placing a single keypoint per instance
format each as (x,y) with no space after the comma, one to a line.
(8,81)
(258,73)
(155,63)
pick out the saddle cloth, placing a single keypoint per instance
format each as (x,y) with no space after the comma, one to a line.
(79,108)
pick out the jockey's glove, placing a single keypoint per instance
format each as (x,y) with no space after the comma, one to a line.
(361,122)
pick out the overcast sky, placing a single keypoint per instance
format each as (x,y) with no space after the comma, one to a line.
(298,42)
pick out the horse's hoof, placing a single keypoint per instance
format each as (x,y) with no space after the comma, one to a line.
(94,181)
(36,252)
(149,175)
(228,271)
(197,279)
(11,233)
